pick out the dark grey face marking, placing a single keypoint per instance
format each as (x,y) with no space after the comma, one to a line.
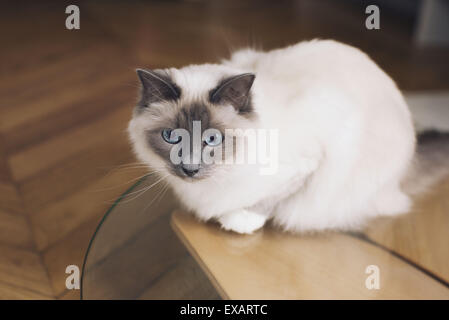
(195,112)
(156,86)
(184,120)
(236,91)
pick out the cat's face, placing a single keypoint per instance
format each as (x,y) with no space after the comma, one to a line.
(180,129)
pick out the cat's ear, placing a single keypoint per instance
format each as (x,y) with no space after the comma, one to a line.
(157,86)
(236,91)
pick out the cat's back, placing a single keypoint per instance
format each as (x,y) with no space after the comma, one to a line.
(317,70)
(310,60)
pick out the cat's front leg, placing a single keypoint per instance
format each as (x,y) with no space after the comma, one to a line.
(242,221)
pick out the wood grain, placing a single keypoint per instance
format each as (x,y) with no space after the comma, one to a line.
(55,221)
(15,230)
(134,266)
(274,265)
(23,268)
(184,281)
(68,251)
(420,235)
(13,292)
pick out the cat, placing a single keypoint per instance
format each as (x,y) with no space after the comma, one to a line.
(346,142)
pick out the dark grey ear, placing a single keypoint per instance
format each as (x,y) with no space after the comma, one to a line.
(156,86)
(235,90)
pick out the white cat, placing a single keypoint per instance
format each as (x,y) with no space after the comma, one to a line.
(346,137)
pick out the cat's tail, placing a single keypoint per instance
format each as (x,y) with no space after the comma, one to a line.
(431,163)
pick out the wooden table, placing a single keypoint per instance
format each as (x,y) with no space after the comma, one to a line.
(411,254)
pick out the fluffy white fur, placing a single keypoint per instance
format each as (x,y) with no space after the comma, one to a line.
(346,141)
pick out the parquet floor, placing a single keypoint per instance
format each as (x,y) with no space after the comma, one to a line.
(66,98)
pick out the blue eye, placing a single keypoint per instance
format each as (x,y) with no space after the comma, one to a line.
(214,139)
(170,136)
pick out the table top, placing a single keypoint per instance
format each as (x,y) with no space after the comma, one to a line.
(134,253)
(409,253)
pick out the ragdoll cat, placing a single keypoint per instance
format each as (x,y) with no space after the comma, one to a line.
(345,138)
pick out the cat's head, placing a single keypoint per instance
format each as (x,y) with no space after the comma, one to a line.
(178,126)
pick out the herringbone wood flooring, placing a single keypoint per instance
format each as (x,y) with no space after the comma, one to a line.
(66,97)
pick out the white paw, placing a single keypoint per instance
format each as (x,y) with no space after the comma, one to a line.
(242,221)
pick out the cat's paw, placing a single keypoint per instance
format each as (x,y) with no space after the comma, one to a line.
(242,221)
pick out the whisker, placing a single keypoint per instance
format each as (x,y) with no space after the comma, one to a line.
(140,192)
(164,191)
(146,175)
(134,192)
(132,164)
(128,197)
(155,197)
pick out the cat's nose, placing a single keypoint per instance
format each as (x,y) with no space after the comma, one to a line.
(190,170)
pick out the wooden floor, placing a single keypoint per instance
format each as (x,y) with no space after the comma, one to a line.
(66,97)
